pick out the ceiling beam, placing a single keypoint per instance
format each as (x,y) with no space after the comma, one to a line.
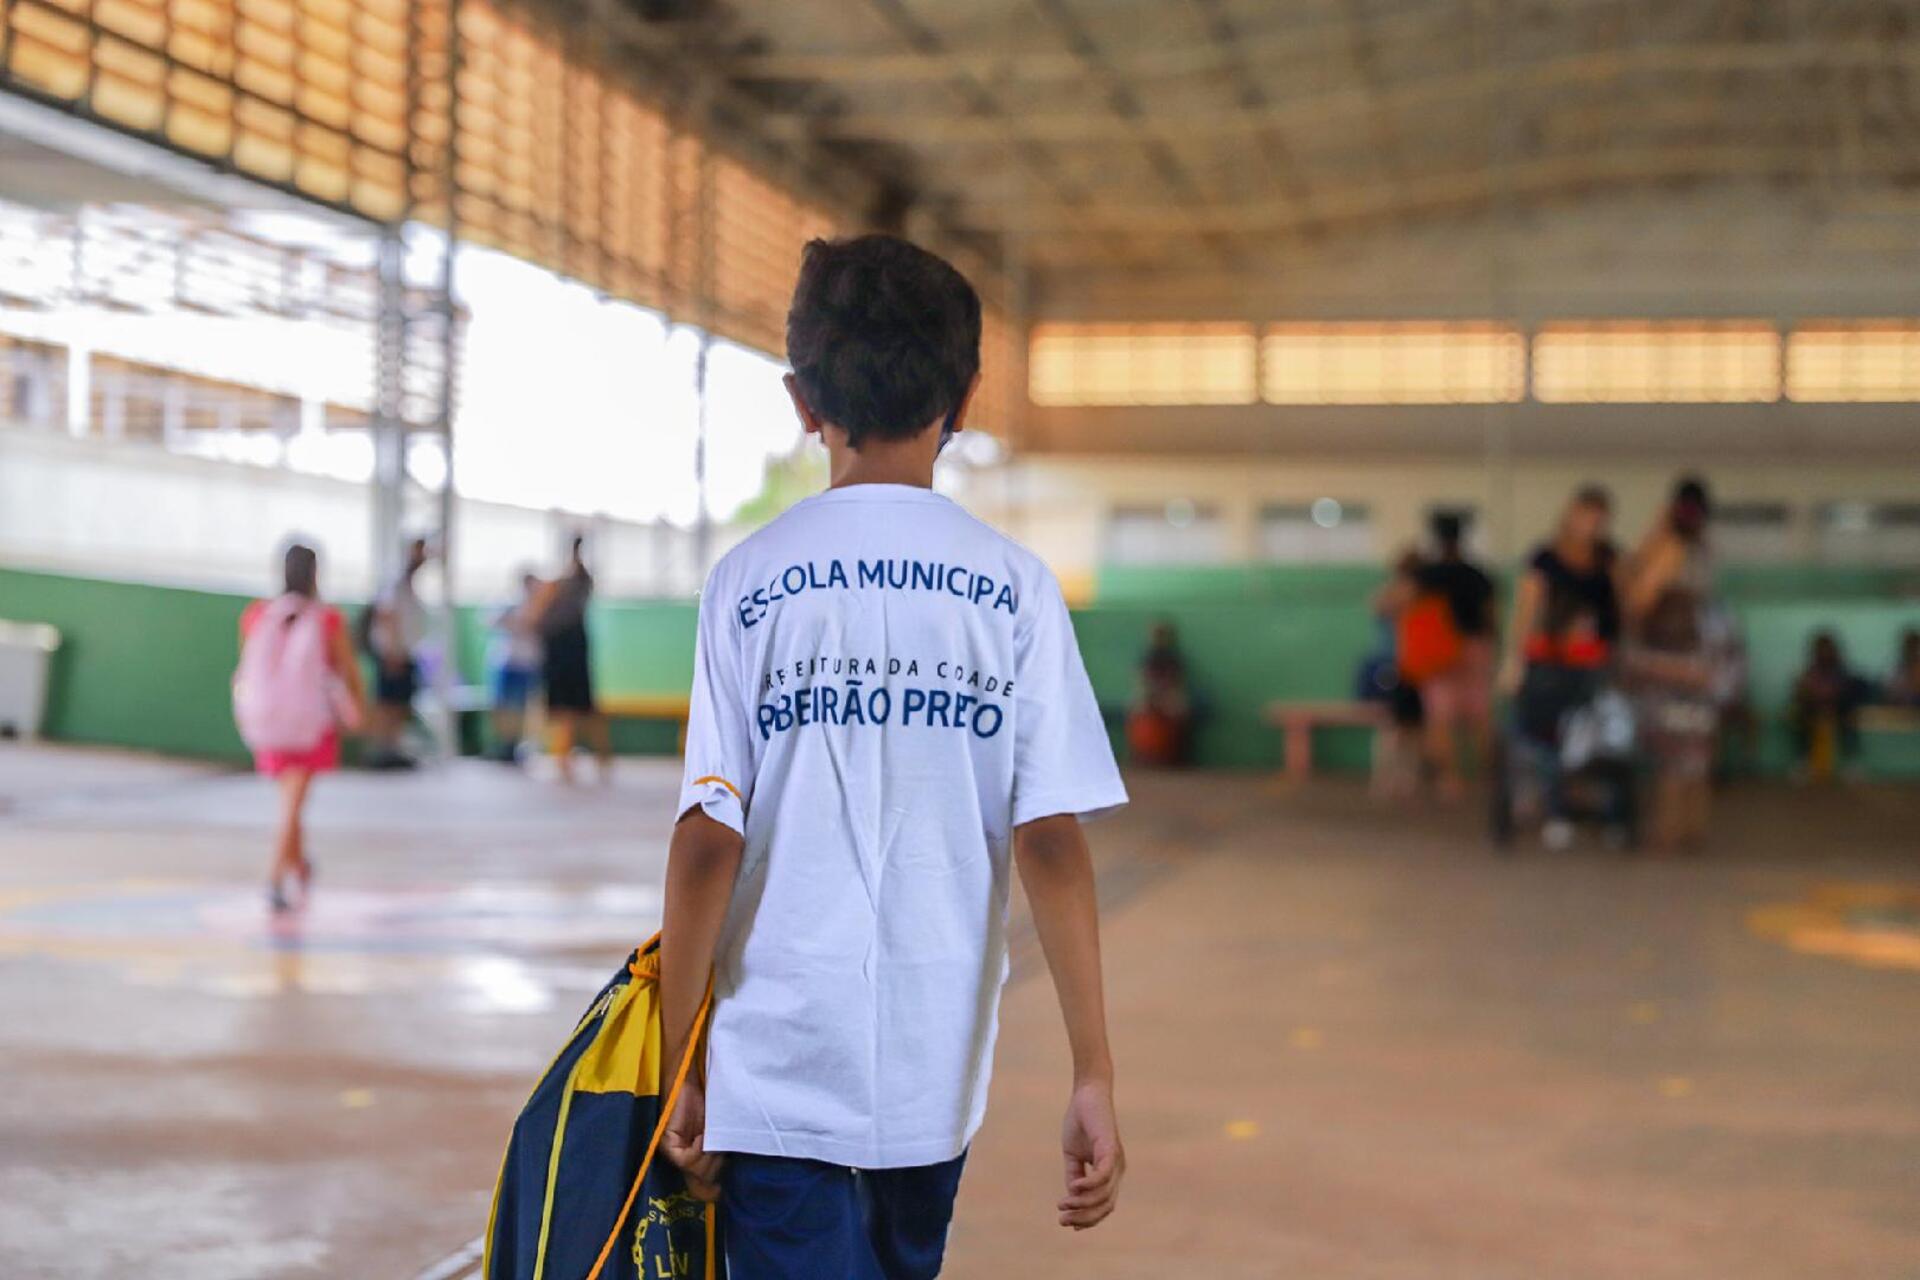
(1125,105)
(1311,41)
(1533,177)
(1283,167)
(1099,126)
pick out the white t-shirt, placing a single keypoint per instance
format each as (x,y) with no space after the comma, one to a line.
(883,688)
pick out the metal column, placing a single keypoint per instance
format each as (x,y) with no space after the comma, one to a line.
(389,409)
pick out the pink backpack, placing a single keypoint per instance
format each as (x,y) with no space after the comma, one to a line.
(283,693)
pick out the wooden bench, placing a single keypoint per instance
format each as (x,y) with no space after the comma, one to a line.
(671,707)
(1890,741)
(1298,720)
(1890,720)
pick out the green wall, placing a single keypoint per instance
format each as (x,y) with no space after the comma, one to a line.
(138,666)
(147,667)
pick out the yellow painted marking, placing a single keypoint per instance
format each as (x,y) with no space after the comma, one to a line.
(1241,1130)
(1306,1038)
(1644,1012)
(1876,926)
(356,1099)
(1675,1086)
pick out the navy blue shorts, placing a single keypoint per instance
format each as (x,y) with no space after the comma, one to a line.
(395,686)
(804,1220)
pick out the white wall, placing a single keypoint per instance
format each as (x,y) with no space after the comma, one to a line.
(1059,505)
(135,511)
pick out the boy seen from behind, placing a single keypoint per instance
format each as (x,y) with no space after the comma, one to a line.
(889,715)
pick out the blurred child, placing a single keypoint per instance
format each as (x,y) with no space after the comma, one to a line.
(296,687)
(1160,724)
(560,613)
(1397,756)
(1459,696)
(1827,697)
(395,625)
(513,667)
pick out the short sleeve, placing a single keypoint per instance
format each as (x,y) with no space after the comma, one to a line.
(1062,758)
(719,760)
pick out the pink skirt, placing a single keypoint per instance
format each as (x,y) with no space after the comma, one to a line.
(322,757)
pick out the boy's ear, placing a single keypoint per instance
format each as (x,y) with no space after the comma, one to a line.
(966,404)
(809,420)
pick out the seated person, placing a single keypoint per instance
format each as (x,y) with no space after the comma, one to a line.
(1160,723)
(1397,764)
(1461,695)
(1825,713)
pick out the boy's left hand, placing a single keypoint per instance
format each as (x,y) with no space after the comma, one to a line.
(685,1143)
(1095,1160)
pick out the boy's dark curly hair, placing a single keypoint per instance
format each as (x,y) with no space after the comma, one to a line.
(883,337)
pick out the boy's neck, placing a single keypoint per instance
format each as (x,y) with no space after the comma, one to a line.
(906,462)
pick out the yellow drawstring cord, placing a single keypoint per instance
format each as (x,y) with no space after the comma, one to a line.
(659,1131)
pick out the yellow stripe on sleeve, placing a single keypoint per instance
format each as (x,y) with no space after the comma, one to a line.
(714,777)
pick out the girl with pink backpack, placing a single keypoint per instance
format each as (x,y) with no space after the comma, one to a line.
(296,688)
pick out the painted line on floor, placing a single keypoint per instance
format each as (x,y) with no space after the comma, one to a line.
(458,1265)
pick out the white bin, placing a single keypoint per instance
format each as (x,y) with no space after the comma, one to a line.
(26,653)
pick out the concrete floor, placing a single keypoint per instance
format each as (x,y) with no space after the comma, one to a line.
(1352,1044)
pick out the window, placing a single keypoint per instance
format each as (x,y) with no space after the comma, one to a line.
(1420,362)
(1854,360)
(1178,533)
(33,382)
(1414,362)
(1323,531)
(1869,533)
(1120,364)
(1657,362)
(1752,532)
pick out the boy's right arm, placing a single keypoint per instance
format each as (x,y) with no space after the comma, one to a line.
(1057,871)
(702,862)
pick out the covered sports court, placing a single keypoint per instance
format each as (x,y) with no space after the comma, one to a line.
(1267,287)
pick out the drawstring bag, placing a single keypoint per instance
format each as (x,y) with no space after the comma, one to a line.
(584,1193)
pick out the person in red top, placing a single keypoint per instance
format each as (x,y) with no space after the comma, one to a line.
(1566,623)
(1567,609)
(294,770)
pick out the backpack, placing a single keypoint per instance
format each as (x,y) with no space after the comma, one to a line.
(1428,642)
(282,694)
(584,1193)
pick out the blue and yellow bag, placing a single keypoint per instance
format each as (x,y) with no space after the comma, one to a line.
(581,1195)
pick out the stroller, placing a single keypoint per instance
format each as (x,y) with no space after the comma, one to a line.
(1565,753)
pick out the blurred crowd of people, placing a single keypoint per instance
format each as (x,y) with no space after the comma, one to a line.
(1614,688)
(1613,666)
(299,687)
